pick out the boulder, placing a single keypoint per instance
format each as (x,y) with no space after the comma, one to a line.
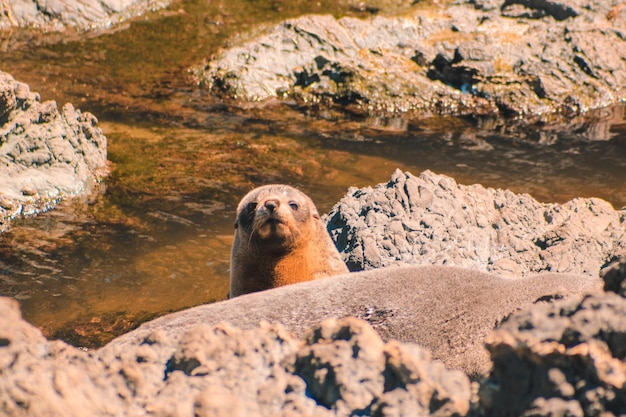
(56,15)
(432,220)
(566,358)
(46,153)
(537,59)
(49,378)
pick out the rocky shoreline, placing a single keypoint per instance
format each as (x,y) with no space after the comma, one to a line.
(541,60)
(514,282)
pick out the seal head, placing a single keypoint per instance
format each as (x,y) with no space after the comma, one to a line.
(279,240)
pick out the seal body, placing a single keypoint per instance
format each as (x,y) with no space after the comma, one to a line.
(448,310)
(279,240)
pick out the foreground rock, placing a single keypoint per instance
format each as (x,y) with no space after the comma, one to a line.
(448,310)
(341,368)
(46,153)
(60,14)
(531,58)
(432,220)
(562,359)
(553,359)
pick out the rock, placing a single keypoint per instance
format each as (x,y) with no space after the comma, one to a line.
(50,378)
(46,153)
(614,276)
(56,15)
(566,358)
(432,220)
(448,310)
(525,58)
(221,370)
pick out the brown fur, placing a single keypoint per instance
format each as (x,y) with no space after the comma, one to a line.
(279,240)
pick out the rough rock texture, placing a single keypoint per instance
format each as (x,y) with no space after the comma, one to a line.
(561,359)
(614,276)
(42,378)
(512,57)
(342,368)
(448,310)
(432,220)
(52,15)
(45,153)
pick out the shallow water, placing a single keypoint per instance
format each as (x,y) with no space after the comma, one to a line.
(157,237)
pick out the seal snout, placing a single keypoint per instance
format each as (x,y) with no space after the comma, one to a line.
(271,205)
(272,221)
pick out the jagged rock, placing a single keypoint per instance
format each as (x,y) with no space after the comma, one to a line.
(432,220)
(45,153)
(448,310)
(532,58)
(341,368)
(54,15)
(566,358)
(49,378)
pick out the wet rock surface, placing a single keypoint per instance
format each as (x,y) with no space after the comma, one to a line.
(531,58)
(566,358)
(340,368)
(60,14)
(432,220)
(46,153)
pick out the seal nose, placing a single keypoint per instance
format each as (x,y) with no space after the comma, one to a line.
(271,205)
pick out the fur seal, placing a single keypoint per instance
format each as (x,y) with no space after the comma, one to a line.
(446,309)
(279,240)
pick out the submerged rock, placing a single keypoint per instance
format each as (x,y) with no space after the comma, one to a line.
(528,58)
(432,220)
(46,153)
(56,15)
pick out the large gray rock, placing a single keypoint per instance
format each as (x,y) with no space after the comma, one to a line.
(448,310)
(341,368)
(46,153)
(532,58)
(561,359)
(432,220)
(60,14)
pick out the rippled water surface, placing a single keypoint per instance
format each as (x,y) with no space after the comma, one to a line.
(156,237)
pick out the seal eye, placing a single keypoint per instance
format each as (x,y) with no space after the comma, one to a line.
(251,206)
(294,206)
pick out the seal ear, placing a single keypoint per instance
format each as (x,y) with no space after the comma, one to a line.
(236,223)
(315,214)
